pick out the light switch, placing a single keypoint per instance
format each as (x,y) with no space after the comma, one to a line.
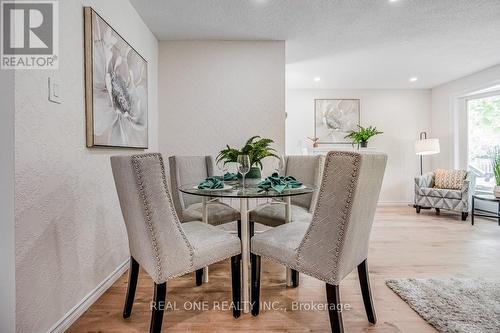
(54,91)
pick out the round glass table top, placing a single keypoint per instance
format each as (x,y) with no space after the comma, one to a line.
(235,190)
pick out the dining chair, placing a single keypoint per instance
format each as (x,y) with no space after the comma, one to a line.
(306,169)
(336,239)
(192,170)
(158,242)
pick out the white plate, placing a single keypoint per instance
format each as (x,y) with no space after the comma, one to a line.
(225,188)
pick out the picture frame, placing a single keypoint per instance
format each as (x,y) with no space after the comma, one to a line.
(335,118)
(116,87)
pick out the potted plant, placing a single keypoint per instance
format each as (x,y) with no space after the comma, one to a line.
(362,135)
(256,148)
(496,171)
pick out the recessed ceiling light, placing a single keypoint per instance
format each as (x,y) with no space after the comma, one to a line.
(413,79)
(317,79)
(393,0)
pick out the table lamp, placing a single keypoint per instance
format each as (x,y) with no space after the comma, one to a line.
(426,146)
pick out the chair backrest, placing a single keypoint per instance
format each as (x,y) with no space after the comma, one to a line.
(337,239)
(156,238)
(187,170)
(306,169)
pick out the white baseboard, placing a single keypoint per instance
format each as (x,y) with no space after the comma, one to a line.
(72,315)
(394,203)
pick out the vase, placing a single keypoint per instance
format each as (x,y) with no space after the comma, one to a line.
(254,173)
(496,191)
(363,144)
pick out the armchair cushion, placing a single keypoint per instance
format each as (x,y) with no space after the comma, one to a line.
(273,214)
(440,193)
(449,179)
(280,243)
(218,213)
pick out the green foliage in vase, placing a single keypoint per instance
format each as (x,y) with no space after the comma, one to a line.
(496,165)
(256,148)
(363,134)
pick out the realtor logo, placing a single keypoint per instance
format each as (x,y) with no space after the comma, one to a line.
(29,34)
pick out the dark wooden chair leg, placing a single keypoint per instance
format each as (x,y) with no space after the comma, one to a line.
(158,307)
(255,260)
(334,308)
(438,211)
(236,285)
(199,276)
(252,228)
(417,208)
(464,216)
(239,228)
(133,274)
(295,278)
(364,282)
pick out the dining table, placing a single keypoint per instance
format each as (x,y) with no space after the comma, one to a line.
(235,190)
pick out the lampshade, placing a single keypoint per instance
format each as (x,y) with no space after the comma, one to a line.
(427,147)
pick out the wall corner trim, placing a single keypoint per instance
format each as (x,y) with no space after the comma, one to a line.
(72,315)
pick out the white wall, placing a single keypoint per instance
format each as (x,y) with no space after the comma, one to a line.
(213,93)
(69,230)
(7,240)
(400,114)
(448,117)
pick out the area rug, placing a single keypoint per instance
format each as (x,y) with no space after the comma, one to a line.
(453,305)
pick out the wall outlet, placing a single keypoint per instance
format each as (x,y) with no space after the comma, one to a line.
(54,91)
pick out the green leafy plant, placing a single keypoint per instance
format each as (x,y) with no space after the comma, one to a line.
(257,150)
(363,134)
(495,160)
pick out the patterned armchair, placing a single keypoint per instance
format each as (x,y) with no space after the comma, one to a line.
(428,196)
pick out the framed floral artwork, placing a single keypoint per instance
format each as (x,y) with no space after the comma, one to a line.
(116,87)
(334,119)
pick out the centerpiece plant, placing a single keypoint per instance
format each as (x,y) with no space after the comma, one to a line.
(362,135)
(256,148)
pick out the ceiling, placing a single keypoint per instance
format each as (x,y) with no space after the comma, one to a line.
(349,44)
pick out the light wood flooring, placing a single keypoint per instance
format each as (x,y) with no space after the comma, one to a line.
(403,244)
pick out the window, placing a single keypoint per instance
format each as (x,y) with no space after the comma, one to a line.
(483,123)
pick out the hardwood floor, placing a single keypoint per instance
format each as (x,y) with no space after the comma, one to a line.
(403,244)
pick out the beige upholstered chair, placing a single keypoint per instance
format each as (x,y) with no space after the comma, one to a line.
(158,242)
(306,169)
(336,240)
(191,170)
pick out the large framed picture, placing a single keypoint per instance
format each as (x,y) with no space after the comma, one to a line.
(116,87)
(335,118)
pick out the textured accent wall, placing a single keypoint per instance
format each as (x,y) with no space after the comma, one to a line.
(213,93)
(69,230)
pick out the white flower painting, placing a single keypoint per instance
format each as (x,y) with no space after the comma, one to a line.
(117,115)
(334,119)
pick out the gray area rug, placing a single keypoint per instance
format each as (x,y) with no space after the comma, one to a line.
(453,305)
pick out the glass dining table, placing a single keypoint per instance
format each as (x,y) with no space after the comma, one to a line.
(235,190)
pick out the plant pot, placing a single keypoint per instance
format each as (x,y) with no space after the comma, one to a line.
(363,144)
(254,173)
(496,191)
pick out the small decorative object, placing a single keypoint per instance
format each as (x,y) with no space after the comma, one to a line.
(334,119)
(362,135)
(256,150)
(496,171)
(116,88)
(314,141)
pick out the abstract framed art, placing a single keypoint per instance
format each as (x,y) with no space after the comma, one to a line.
(335,118)
(116,88)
